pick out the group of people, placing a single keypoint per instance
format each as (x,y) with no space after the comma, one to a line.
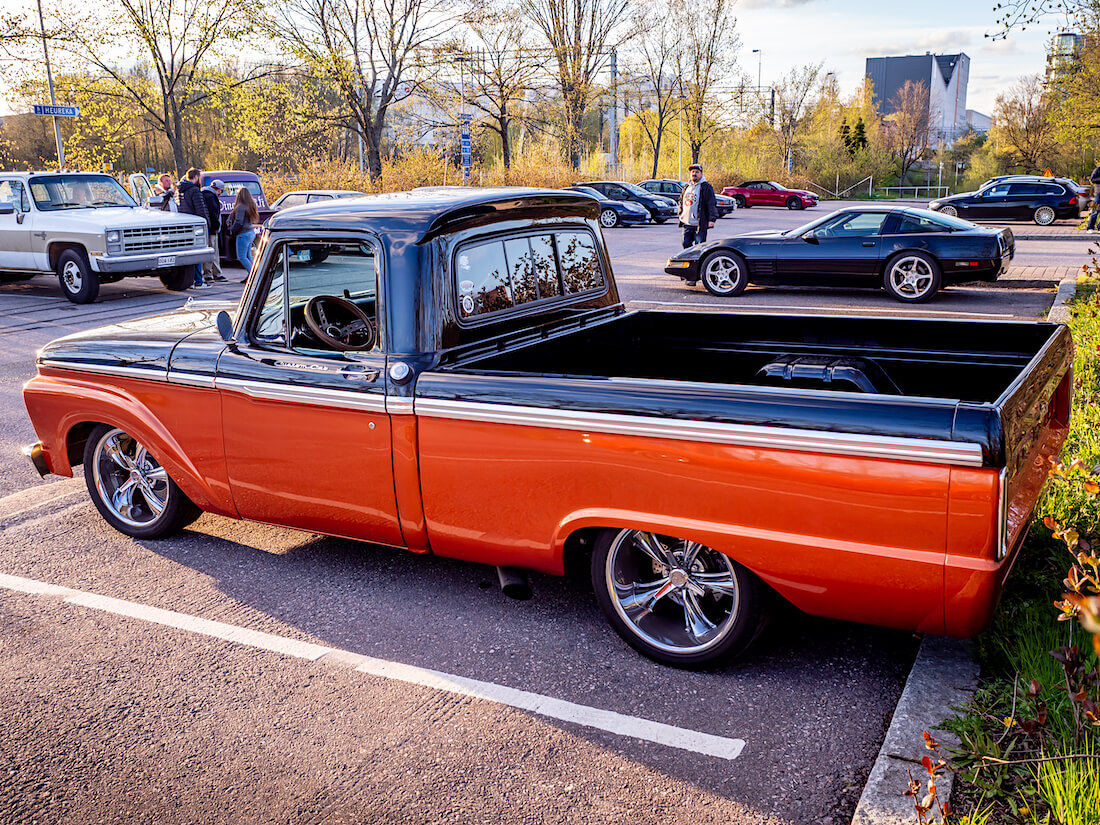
(192,198)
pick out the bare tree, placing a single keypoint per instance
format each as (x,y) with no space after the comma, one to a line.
(708,29)
(649,87)
(786,107)
(911,129)
(1022,124)
(1019,14)
(367,48)
(179,40)
(580,34)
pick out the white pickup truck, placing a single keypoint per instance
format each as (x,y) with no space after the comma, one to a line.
(86,228)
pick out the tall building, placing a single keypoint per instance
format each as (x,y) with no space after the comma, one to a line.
(944,75)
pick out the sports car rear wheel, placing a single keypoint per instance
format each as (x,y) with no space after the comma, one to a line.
(725,273)
(912,277)
(609,218)
(130,488)
(1044,216)
(676,600)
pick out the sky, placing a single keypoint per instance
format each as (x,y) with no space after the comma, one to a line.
(844,33)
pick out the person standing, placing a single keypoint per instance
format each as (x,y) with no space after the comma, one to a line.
(1094,212)
(241,228)
(698,207)
(212,195)
(192,202)
(166,190)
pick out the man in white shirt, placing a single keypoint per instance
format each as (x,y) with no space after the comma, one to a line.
(698,207)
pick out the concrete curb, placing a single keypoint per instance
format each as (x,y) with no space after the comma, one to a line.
(944,676)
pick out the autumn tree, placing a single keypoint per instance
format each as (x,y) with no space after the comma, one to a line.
(649,87)
(366,48)
(579,35)
(910,129)
(709,38)
(791,115)
(1022,125)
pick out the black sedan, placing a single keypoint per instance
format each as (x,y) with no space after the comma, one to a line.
(660,208)
(671,188)
(909,252)
(616,213)
(1012,199)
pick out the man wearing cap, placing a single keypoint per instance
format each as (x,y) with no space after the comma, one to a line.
(698,207)
(211,195)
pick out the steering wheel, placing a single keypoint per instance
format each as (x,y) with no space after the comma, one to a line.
(339,323)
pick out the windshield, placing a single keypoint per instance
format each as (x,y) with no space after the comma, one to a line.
(232,187)
(597,195)
(51,192)
(633,187)
(811,225)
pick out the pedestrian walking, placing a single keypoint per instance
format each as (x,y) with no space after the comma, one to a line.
(167,191)
(241,227)
(1094,212)
(698,207)
(212,194)
(192,202)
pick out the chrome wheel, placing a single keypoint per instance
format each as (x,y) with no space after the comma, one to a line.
(131,483)
(72,278)
(1044,216)
(948,210)
(912,278)
(724,274)
(676,595)
(608,218)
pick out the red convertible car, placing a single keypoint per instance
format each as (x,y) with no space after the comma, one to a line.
(769,193)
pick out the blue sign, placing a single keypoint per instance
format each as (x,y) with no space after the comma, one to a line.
(467,159)
(56,111)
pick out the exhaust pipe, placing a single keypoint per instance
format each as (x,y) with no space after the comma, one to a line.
(513,582)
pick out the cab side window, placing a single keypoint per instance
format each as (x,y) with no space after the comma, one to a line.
(11,191)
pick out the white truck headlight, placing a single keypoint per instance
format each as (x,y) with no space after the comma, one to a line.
(114,241)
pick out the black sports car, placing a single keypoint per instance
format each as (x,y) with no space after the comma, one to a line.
(1042,200)
(615,213)
(910,252)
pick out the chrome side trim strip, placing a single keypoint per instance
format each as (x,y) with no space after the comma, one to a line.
(191,379)
(151,374)
(397,405)
(1002,515)
(742,435)
(342,399)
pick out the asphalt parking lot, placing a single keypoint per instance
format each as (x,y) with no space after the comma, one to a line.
(246,673)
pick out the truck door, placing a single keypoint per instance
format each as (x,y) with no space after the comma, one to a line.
(140,190)
(307,436)
(16,228)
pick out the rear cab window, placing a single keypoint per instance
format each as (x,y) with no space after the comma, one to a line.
(512,274)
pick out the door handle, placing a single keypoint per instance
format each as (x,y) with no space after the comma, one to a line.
(41,235)
(868,243)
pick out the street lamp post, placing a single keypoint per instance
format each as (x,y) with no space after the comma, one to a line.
(53,100)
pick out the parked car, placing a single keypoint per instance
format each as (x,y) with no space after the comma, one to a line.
(909,252)
(460,378)
(234,181)
(1026,198)
(660,208)
(769,193)
(615,213)
(672,189)
(300,196)
(87,229)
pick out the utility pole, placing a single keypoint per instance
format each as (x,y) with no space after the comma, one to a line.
(53,99)
(614,110)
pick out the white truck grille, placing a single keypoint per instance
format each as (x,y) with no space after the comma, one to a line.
(156,238)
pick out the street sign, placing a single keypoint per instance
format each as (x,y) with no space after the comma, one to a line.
(56,111)
(465,142)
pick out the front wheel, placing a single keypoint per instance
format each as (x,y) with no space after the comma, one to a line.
(725,273)
(950,211)
(79,284)
(912,277)
(741,202)
(794,203)
(660,220)
(1044,216)
(676,600)
(130,488)
(609,218)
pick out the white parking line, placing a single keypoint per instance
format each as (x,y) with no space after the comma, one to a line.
(606,720)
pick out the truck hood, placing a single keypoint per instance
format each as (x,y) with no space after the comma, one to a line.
(115,217)
(141,347)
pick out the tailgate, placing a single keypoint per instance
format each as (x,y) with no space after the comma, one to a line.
(1034,415)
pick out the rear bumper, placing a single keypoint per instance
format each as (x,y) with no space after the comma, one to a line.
(149,262)
(37,458)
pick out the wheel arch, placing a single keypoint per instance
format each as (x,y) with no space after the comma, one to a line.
(56,248)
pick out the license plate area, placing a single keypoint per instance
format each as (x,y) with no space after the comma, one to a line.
(166,260)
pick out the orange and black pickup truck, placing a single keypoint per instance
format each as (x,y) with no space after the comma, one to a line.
(456,375)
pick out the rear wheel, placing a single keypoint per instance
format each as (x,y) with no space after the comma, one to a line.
(79,284)
(912,277)
(178,278)
(609,218)
(741,202)
(1044,216)
(725,273)
(676,600)
(130,488)
(794,203)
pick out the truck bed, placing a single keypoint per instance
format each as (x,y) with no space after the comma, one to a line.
(939,379)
